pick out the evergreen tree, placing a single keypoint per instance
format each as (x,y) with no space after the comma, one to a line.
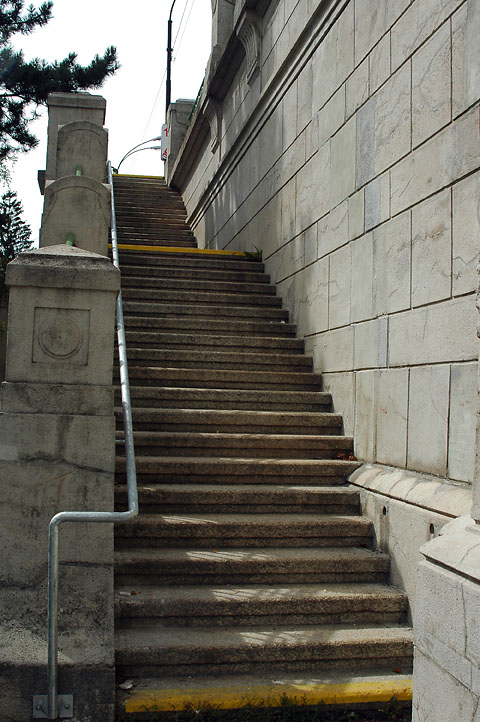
(14,235)
(24,86)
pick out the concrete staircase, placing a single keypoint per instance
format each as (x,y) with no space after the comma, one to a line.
(250,566)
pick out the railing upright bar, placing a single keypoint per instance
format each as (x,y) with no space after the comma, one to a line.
(91,516)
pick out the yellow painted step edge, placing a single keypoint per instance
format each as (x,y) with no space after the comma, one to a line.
(132,175)
(345,693)
(177,249)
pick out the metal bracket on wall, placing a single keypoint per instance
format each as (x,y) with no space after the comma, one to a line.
(64,706)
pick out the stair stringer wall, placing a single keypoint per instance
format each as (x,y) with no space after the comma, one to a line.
(330,161)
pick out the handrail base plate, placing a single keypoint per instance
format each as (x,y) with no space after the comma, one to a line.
(64,706)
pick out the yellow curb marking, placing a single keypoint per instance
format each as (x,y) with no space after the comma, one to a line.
(131,175)
(179,249)
(163,700)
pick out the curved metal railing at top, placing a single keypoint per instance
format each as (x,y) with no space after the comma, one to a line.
(52,711)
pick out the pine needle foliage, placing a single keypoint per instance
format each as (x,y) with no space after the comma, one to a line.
(14,235)
(25,86)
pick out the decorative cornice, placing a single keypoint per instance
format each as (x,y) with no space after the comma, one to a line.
(213,113)
(249,33)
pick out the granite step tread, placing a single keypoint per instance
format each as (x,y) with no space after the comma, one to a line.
(243,498)
(214,285)
(243,648)
(238,444)
(291,421)
(210,325)
(271,565)
(225,378)
(230,399)
(223,470)
(211,274)
(130,258)
(169,295)
(188,358)
(217,605)
(188,307)
(163,340)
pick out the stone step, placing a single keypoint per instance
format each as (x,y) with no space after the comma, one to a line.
(205,274)
(245,531)
(148,214)
(187,358)
(151,649)
(280,446)
(152,236)
(210,325)
(189,307)
(200,261)
(255,605)
(286,566)
(242,498)
(229,399)
(224,379)
(236,422)
(202,298)
(224,470)
(157,241)
(145,339)
(337,689)
(212,286)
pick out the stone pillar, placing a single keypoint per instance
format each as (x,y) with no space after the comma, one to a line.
(77,201)
(222,27)
(67,107)
(178,121)
(447,630)
(58,453)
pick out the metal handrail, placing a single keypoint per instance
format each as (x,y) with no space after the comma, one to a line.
(93,516)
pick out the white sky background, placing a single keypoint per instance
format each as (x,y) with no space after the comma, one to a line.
(135,95)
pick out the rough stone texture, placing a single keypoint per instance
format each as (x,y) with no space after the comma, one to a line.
(407,510)
(377,201)
(434,334)
(365,427)
(57,454)
(466,74)
(466,231)
(462,422)
(431,82)
(428,418)
(78,205)
(440,161)
(67,107)
(431,250)
(420,21)
(82,147)
(392,249)
(342,388)
(447,654)
(340,274)
(372,20)
(56,336)
(392,412)
(383,127)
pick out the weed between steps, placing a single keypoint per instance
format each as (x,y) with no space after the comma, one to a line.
(291,710)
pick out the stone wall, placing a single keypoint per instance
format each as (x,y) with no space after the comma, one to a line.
(350,155)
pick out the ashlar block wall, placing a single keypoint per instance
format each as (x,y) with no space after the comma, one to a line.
(352,160)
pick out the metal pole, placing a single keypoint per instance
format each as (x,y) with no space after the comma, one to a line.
(52,670)
(169,60)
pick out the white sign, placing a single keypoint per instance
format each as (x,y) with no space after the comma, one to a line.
(164,142)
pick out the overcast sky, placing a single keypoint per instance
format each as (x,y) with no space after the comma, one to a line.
(136,94)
